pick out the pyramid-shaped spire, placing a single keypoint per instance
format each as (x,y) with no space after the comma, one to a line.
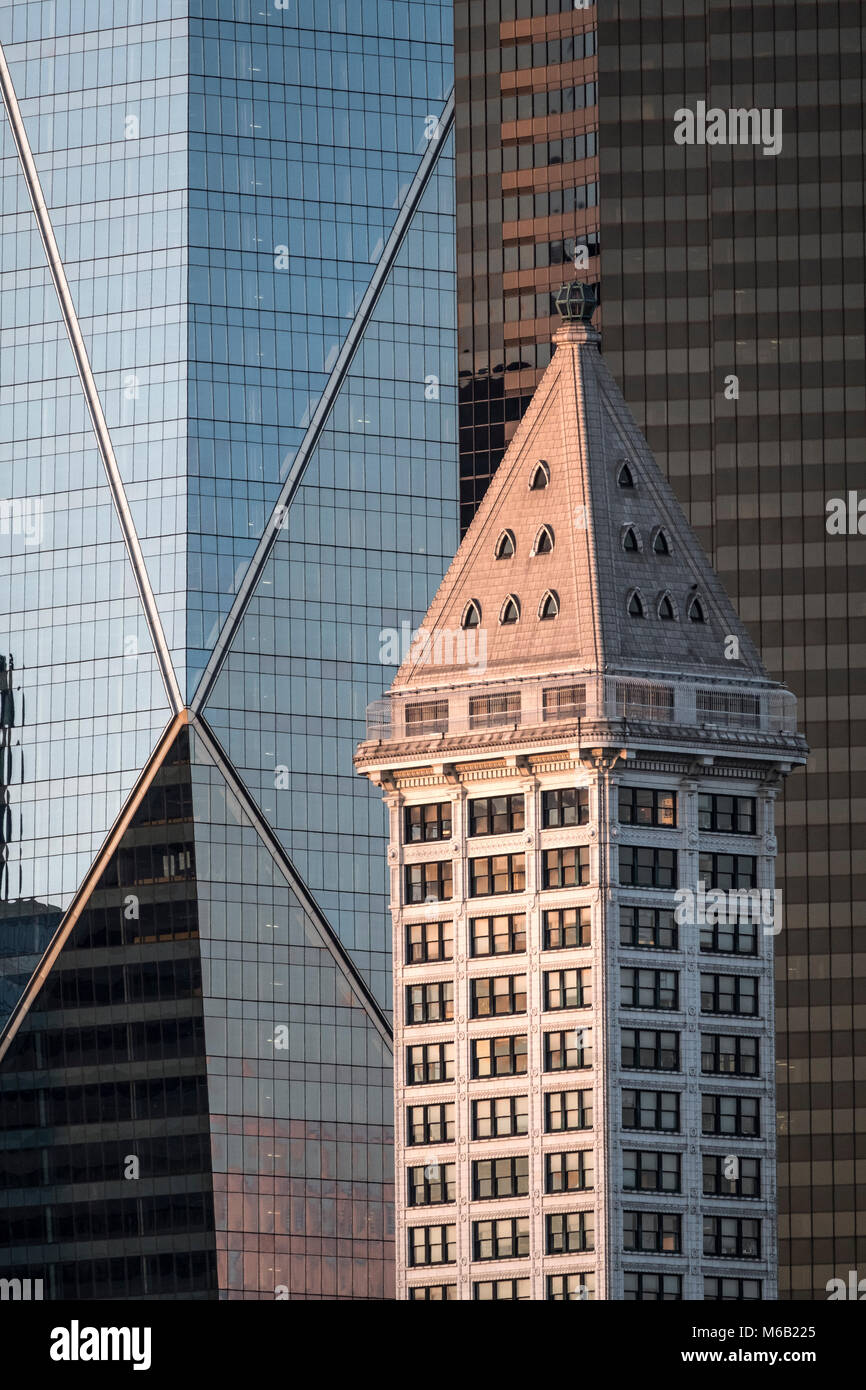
(580,555)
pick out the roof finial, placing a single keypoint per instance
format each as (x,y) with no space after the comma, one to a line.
(577,302)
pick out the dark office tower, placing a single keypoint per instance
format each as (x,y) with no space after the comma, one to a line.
(734,321)
(526,136)
(228,469)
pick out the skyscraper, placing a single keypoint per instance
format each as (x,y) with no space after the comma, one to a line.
(229,462)
(581,756)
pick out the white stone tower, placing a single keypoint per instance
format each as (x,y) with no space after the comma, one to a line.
(580,756)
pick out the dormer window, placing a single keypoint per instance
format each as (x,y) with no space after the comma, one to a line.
(471,614)
(505,546)
(630,540)
(540,476)
(510,610)
(543,542)
(549,606)
(696,611)
(661,544)
(636,607)
(624,477)
(666,609)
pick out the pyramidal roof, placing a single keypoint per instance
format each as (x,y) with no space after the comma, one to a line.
(580,523)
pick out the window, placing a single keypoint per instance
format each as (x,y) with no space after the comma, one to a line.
(729,994)
(649,989)
(728,1175)
(427,717)
(500,1118)
(648,1171)
(564,702)
(567,989)
(499,1056)
(647,806)
(641,700)
(505,546)
(543,542)
(471,614)
(728,707)
(430,1184)
(430,1124)
(728,1290)
(561,1287)
(430,1003)
(498,936)
(726,815)
(429,941)
(659,1110)
(567,1110)
(648,1049)
(430,882)
(500,1177)
(737,938)
(540,476)
(496,815)
(504,1239)
(569,1172)
(422,1293)
(568,1050)
(510,611)
(549,605)
(648,926)
(494,711)
(640,1286)
(564,806)
(630,540)
(655,1231)
(431,822)
(625,477)
(497,873)
(737,1115)
(546,52)
(666,610)
(729,1054)
(565,927)
(432,1245)
(732,1237)
(636,605)
(728,871)
(661,543)
(644,866)
(501,994)
(427,1063)
(569,1232)
(565,868)
(495,1290)
(696,611)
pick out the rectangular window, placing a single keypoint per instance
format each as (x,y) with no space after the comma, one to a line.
(567,989)
(501,1117)
(567,1110)
(503,935)
(428,883)
(496,815)
(650,1171)
(568,1050)
(726,707)
(652,927)
(427,1063)
(737,938)
(428,1293)
(565,868)
(494,711)
(505,1239)
(499,1056)
(569,1232)
(647,806)
(729,1054)
(564,806)
(727,815)
(429,941)
(430,1124)
(737,1115)
(565,1287)
(565,928)
(728,1175)
(492,997)
(644,866)
(430,1003)
(428,717)
(500,1177)
(569,1172)
(727,871)
(730,1290)
(729,994)
(564,701)
(430,1184)
(497,873)
(432,1245)
(732,1237)
(658,1110)
(658,1232)
(497,1290)
(649,1049)
(649,989)
(639,700)
(643,1287)
(431,822)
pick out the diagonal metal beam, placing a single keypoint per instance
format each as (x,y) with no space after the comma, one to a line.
(88,384)
(384,265)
